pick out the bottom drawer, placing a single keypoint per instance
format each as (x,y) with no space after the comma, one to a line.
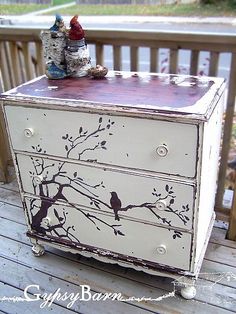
(130,238)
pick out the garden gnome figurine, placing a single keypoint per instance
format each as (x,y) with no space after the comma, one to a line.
(54,44)
(77,54)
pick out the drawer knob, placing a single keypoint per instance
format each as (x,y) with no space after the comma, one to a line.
(46,221)
(161,205)
(29,132)
(38,179)
(162,150)
(161,249)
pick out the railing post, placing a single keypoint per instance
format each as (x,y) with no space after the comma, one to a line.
(227,132)
(231,235)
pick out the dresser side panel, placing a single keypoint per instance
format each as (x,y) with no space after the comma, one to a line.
(208,176)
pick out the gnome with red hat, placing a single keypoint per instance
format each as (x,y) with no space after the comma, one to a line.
(77,54)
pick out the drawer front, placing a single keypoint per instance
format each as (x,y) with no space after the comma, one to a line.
(124,194)
(159,146)
(129,238)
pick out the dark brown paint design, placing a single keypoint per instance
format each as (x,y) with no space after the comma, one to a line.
(56,177)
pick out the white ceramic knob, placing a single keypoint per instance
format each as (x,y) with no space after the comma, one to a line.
(162,150)
(38,179)
(161,205)
(29,132)
(46,221)
(161,249)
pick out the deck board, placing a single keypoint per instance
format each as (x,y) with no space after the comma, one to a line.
(58,269)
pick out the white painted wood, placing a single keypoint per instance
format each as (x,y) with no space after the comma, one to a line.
(211,133)
(127,142)
(92,160)
(161,201)
(101,231)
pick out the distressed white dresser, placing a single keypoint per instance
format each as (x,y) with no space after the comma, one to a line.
(122,169)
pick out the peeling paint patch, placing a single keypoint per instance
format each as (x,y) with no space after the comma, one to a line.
(51,88)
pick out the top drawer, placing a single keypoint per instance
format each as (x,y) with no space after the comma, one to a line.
(160,146)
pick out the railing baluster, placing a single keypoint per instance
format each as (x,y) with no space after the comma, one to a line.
(214,61)
(5,77)
(117,57)
(99,54)
(27,61)
(231,235)
(173,61)
(153,60)
(11,73)
(40,68)
(134,59)
(15,62)
(229,114)
(194,62)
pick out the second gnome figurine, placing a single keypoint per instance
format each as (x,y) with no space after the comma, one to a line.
(65,51)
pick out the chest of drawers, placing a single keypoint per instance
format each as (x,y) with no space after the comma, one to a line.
(122,169)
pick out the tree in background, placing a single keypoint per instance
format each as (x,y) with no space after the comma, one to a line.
(231,3)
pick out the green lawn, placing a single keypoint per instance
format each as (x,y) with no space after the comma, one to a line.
(12,9)
(59,2)
(221,9)
(18,9)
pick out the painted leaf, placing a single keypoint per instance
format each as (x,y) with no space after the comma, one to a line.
(56,214)
(64,137)
(120,233)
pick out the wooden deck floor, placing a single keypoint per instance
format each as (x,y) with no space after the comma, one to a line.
(56,269)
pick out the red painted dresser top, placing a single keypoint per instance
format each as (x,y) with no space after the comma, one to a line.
(175,93)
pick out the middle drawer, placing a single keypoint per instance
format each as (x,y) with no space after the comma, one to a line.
(123,193)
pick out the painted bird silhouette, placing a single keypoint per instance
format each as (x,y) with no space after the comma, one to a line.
(115,204)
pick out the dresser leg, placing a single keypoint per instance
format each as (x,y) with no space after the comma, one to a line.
(188,292)
(38,250)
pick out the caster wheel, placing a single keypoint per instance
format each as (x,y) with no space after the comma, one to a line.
(38,250)
(188,292)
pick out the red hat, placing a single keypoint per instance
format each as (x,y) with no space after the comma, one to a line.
(74,20)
